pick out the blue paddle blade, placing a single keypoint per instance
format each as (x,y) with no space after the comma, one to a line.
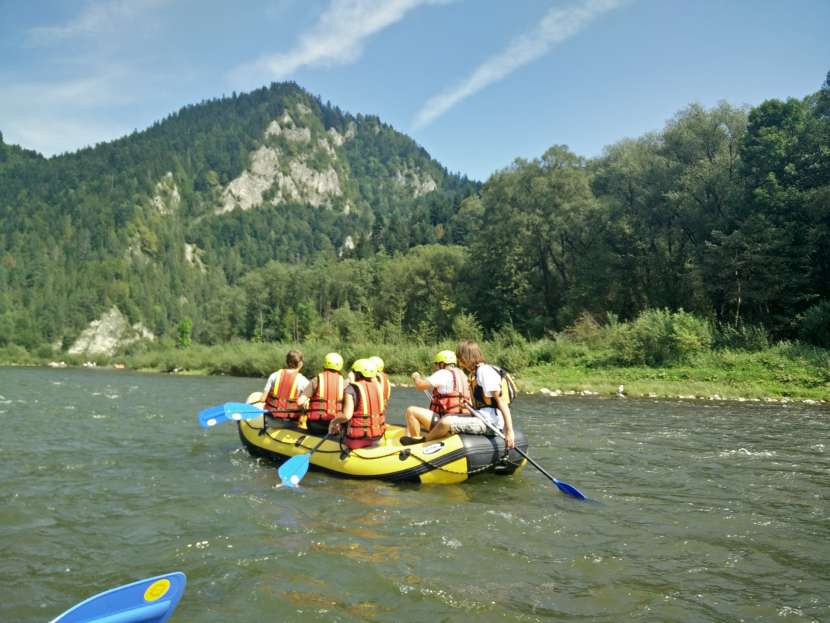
(292,471)
(218,414)
(146,601)
(564,487)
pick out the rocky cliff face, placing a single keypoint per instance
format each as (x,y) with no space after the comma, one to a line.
(299,161)
(167,197)
(107,334)
(296,163)
(416,182)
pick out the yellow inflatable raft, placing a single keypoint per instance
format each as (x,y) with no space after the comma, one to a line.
(445,461)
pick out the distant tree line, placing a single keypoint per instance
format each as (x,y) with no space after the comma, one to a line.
(725,213)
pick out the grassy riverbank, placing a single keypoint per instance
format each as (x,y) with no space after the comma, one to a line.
(781,371)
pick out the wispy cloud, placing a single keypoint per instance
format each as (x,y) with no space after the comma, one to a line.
(336,39)
(96,18)
(558,25)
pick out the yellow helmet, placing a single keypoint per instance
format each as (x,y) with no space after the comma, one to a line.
(333,361)
(377,362)
(365,367)
(446,356)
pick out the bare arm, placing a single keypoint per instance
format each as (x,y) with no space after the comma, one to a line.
(348,411)
(508,419)
(307,392)
(421,382)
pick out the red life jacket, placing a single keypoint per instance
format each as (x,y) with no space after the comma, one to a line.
(282,400)
(368,420)
(453,402)
(327,401)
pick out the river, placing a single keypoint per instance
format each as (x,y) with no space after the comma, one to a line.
(700,511)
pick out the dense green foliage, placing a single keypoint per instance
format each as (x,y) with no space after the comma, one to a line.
(80,232)
(713,231)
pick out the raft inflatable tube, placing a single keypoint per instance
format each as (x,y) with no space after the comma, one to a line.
(442,461)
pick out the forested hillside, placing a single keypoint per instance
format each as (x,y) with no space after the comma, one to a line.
(273,216)
(165,223)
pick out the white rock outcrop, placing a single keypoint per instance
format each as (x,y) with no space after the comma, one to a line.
(284,177)
(246,190)
(416,182)
(110,332)
(192,254)
(167,197)
(348,245)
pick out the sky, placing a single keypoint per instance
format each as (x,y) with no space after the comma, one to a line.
(477,83)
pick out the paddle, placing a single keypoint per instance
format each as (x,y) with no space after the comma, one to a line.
(564,487)
(147,601)
(292,471)
(218,414)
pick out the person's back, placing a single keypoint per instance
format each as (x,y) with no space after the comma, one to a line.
(451,391)
(282,391)
(364,407)
(325,395)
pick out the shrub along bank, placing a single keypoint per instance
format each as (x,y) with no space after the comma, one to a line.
(660,353)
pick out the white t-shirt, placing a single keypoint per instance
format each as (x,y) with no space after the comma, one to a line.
(442,380)
(490,382)
(269,384)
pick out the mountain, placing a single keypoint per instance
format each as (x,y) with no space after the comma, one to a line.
(272,216)
(158,224)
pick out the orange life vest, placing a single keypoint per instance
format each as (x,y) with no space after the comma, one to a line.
(382,379)
(368,420)
(327,401)
(453,402)
(282,400)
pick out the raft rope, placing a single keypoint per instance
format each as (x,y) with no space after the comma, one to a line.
(504,459)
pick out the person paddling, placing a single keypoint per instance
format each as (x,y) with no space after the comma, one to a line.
(450,393)
(325,395)
(491,398)
(282,392)
(491,390)
(363,409)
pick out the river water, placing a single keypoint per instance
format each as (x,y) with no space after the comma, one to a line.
(701,511)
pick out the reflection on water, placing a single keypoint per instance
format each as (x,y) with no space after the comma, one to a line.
(706,512)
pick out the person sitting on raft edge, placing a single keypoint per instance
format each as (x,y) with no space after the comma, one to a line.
(363,409)
(450,394)
(489,387)
(490,398)
(282,392)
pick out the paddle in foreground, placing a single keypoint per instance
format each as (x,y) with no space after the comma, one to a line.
(564,487)
(147,601)
(227,412)
(292,471)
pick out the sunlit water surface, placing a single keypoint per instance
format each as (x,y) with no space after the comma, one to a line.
(702,511)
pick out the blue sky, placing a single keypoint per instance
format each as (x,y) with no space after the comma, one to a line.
(478,83)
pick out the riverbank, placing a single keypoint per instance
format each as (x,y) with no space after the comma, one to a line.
(783,372)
